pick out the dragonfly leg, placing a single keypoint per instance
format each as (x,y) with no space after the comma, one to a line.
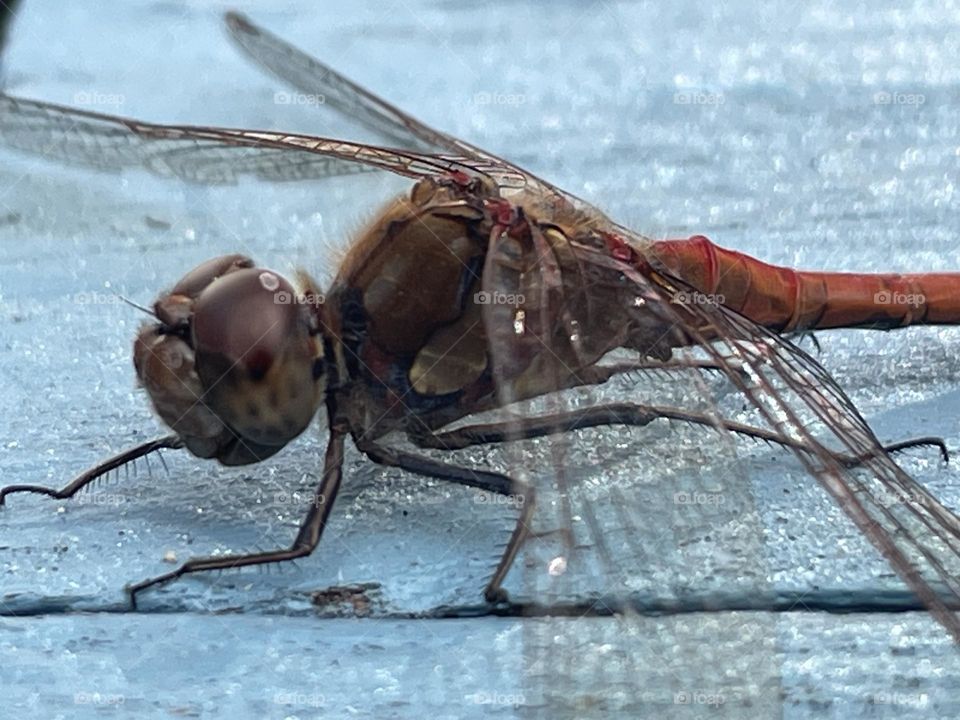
(488,481)
(307,538)
(171,442)
(930,441)
(558,423)
(599,374)
(798,336)
(623,414)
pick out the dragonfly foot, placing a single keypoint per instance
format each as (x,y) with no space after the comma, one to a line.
(131,592)
(496,596)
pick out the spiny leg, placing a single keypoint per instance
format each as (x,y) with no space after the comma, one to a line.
(678,363)
(488,481)
(622,414)
(798,336)
(929,441)
(307,538)
(599,374)
(171,442)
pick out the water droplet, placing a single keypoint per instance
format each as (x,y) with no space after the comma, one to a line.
(557,566)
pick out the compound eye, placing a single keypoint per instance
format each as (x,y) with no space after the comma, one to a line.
(195,281)
(241,321)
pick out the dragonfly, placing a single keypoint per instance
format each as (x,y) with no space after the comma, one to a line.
(486,289)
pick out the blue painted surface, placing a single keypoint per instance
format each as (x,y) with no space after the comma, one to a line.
(824,137)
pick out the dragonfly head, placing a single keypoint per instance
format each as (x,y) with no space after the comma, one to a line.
(234,363)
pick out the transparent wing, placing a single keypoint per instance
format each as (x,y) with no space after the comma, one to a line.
(665,517)
(220,155)
(314,78)
(575,309)
(630,521)
(794,394)
(208,154)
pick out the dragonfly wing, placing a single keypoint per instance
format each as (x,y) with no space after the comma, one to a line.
(796,396)
(209,155)
(317,79)
(610,304)
(672,517)
(334,90)
(917,534)
(206,154)
(629,521)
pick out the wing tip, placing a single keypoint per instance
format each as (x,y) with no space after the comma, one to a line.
(237,22)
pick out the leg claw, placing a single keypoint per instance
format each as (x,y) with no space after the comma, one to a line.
(496,596)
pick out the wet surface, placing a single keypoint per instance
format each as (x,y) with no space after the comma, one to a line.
(802,142)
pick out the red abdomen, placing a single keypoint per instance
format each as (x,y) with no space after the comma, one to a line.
(784,299)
